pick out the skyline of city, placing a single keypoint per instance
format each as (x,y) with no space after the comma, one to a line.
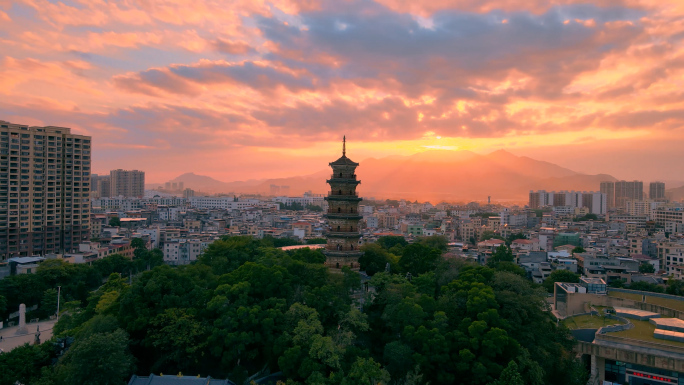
(354,192)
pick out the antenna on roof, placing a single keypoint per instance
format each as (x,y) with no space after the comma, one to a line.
(344,145)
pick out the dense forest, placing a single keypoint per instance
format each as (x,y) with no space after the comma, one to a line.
(246,308)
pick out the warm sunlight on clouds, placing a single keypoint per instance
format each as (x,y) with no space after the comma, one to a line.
(277,83)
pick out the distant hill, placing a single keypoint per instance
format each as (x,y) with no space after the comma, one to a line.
(432,175)
(500,174)
(675,194)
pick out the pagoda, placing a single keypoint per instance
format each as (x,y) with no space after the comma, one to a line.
(343,216)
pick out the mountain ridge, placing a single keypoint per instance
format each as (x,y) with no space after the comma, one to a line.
(429,175)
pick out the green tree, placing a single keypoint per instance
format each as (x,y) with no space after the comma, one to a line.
(559,276)
(647,286)
(418,259)
(48,305)
(510,376)
(588,217)
(366,372)
(675,287)
(578,249)
(646,268)
(179,337)
(374,258)
(23,363)
(438,242)
(138,243)
(307,255)
(398,358)
(510,267)
(389,241)
(100,359)
(502,253)
(490,235)
(114,221)
(513,237)
(314,208)
(3,306)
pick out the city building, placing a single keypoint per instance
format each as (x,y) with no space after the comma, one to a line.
(104,186)
(642,208)
(608,188)
(342,248)
(656,191)
(664,215)
(127,183)
(636,343)
(624,191)
(595,202)
(44,190)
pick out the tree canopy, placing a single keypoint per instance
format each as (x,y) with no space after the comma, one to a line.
(246,308)
(559,276)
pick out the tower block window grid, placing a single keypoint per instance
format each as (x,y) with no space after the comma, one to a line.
(342,248)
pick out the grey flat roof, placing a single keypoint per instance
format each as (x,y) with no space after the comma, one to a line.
(22,260)
(672,324)
(635,313)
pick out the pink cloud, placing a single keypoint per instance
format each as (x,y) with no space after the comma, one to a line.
(178,77)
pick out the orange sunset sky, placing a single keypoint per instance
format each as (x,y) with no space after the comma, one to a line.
(253,89)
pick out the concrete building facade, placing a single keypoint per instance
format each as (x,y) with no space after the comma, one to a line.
(44,190)
(656,191)
(127,183)
(608,188)
(628,190)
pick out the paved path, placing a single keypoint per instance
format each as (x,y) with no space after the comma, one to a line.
(10,340)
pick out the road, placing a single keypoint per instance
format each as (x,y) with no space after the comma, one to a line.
(10,340)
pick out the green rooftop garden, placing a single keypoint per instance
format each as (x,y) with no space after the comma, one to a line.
(588,322)
(643,331)
(665,302)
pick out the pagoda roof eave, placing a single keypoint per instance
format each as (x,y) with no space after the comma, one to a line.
(343,161)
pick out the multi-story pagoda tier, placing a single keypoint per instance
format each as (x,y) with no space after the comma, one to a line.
(343,216)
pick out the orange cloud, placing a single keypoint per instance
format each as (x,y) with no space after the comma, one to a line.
(167,78)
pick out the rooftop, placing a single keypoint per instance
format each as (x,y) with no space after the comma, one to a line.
(593,281)
(671,303)
(635,313)
(673,324)
(644,331)
(589,322)
(23,260)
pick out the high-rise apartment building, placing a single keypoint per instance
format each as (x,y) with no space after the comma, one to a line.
(44,190)
(608,188)
(541,198)
(99,186)
(593,200)
(656,191)
(127,183)
(104,186)
(624,191)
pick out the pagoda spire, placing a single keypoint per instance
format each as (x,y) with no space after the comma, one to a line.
(344,145)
